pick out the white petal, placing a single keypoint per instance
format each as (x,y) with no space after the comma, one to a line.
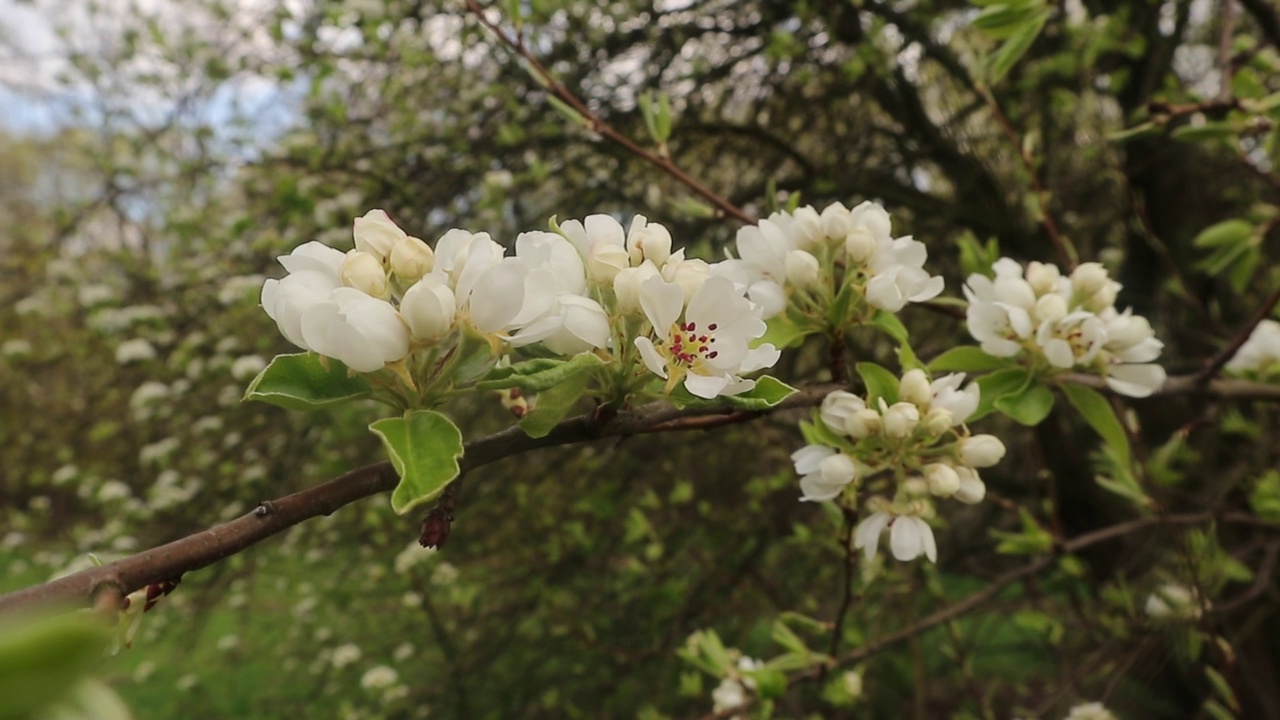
(652,359)
(705,386)
(662,302)
(867,534)
(1135,380)
(497,297)
(808,458)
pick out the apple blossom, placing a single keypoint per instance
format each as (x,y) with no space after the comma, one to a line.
(601,242)
(365,273)
(836,409)
(972,489)
(363,332)
(314,270)
(710,347)
(429,307)
(980,451)
(824,474)
(411,259)
(909,536)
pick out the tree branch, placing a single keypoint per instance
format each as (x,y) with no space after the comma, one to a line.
(204,548)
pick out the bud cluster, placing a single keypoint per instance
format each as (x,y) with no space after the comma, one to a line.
(807,259)
(1063,322)
(902,454)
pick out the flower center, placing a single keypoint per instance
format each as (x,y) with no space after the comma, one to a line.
(689,348)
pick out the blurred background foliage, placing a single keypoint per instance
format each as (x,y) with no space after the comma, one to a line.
(189,143)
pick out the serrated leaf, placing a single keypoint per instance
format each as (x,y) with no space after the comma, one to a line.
(997,385)
(966,358)
(424,447)
(553,405)
(768,392)
(539,374)
(305,381)
(880,382)
(1096,411)
(1028,407)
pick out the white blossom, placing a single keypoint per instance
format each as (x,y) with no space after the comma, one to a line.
(314,271)
(824,474)
(706,344)
(375,233)
(980,451)
(1261,352)
(135,350)
(378,677)
(909,536)
(1173,600)
(363,332)
(1090,711)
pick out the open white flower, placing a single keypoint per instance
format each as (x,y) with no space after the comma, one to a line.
(909,536)
(377,234)
(601,242)
(314,270)
(707,346)
(554,312)
(946,395)
(363,332)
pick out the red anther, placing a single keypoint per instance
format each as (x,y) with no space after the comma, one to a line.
(712,327)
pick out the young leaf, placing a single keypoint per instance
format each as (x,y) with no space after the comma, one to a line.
(1028,407)
(1101,417)
(769,391)
(880,382)
(1020,39)
(966,358)
(552,405)
(424,447)
(997,385)
(539,374)
(304,381)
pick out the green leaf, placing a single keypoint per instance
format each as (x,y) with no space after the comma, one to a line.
(787,638)
(1032,540)
(1096,411)
(768,392)
(1133,133)
(890,323)
(880,382)
(817,433)
(41,659)
(1217,130)
(305,381)
(540,374)
(966,358)
(1227,232)
(997,385)
(1028,407)
(1001,19)
(1020,39)
(424,447)
(781,332)
(769,683)
(553,405)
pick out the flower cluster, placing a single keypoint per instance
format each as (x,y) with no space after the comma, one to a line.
(1064,322)
(807,258)
(734,690)
(904,454)
(1260,354)
(394,302)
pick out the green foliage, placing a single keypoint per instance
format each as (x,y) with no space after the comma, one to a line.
(306,381)
(424,447)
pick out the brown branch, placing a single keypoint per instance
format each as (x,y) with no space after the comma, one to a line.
(270,517)
(1225,66)
(598,124)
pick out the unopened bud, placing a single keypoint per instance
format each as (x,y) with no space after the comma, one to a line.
(863,423)
(900,420)
(802,268)
(937,421)
(1042,277)
(860,245)
(972,489)
(376,234)
(411,259)
(1051,307)
(626,285)
(1088,278)
(914,388)
(981,451)
(943,479)
(364,272)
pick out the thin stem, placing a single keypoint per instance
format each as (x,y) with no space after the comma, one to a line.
(598,125)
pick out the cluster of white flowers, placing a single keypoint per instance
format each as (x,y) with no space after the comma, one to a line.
(1175,601)
(818,254)
(1260,354)
(590,287)
(905,454)
(1064,322)
(732,692)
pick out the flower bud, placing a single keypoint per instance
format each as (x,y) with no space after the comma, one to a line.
(626,285)
(837,407)
(429,308)
(376,234)
(802,269)
(1088,278)
(863,423)
(364,272)
(688,274)
(836,222)
(606,261)
(980,451)
(915,485)
(1104,298)
(900,420)
(1051,307)
(860,245)
(806,226)
(648,241)
(972,489)
(937,421)
(1043,277)
(943,479)
(914,388)
(411,259)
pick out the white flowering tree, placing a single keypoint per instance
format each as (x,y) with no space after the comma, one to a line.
(958,443)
